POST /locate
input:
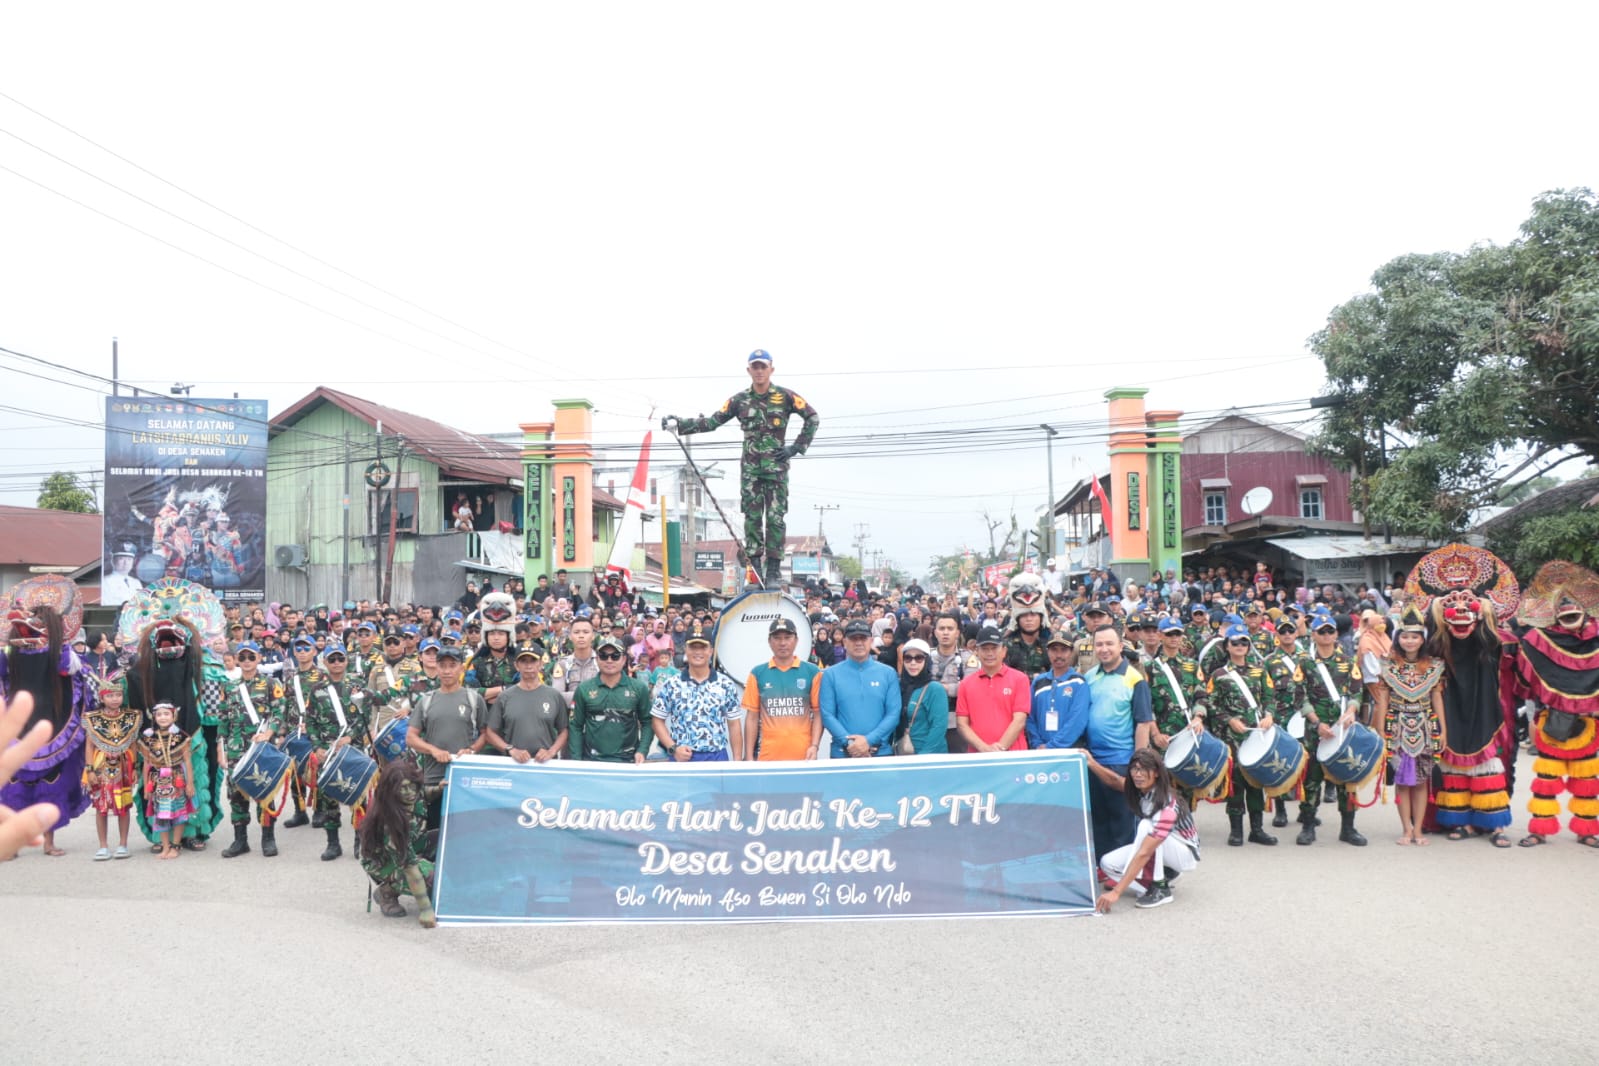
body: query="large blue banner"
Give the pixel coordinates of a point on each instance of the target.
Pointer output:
(934, 836)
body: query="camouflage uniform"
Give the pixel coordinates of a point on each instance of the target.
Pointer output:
(237, 733)
(485, 671)
(1030, 659)
(1283, 669)
(387, 866)
(1327, 707)
(1195, 638)
(392, 700)
(763, 482)
(1170, 716)
(1225, 701)
(322, 724)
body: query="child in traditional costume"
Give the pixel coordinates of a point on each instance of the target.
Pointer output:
(1410, 712)
(108, 776)
(168, 778)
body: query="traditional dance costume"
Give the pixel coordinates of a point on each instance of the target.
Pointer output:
(1557, 667)
(109, 774)
(167, 803)
(1466, 589)
(1413, 727)
(60, 689)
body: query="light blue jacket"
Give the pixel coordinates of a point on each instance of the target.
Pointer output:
(860, 699)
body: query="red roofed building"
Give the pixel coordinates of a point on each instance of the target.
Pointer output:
(37, 541)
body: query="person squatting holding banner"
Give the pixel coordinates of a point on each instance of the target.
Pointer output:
(1165, 843)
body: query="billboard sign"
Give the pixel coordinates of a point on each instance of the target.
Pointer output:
(185, 496)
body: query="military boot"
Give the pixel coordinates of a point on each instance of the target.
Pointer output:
(1307, 830)
(241, 841)
(332, 851)
(299, 818)
(389, 902)
(1235, 837)
(1257, 835)
(319, 819)
(1349, 834)
(269, 842)
(1280, 819)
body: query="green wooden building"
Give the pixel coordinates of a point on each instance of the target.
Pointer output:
(347, 478)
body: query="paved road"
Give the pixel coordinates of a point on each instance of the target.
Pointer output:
(1273, 955)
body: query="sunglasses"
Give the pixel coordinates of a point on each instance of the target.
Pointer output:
(333, 658)
(1239, 643)
(246, 656)
(393, 640)
(609, 655)
(915, 658)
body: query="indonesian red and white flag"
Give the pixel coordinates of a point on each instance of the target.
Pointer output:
(621, 561)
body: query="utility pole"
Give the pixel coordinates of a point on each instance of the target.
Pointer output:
(115, 391)
(821, 537)
(861, 530)
(344, 580)
(1050, 432)
(691, 487)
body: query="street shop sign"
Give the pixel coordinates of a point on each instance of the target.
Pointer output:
(928, 836)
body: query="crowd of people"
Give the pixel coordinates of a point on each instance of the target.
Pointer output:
(1091, 664)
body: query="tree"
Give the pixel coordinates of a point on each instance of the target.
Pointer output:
(61, 492)
(849, 567)
(1483, 364)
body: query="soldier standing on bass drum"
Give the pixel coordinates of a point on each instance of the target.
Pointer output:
(763, 410)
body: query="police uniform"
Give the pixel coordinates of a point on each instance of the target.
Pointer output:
(569, 672)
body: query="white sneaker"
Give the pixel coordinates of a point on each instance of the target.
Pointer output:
(102, 855)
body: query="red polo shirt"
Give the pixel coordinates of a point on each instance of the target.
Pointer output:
(992, 702)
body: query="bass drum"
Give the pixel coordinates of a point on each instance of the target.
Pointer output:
(740, 637)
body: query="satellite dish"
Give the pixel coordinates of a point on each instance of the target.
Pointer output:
(1256, 500)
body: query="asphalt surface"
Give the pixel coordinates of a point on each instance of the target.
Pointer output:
(1268, 955)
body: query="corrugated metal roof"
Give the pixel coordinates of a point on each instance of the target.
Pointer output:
(457, 453)
(1351, 547)
(32, 536)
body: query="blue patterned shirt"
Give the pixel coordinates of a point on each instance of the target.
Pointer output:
(697, 712)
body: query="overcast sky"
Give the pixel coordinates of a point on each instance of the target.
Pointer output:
(935, 217)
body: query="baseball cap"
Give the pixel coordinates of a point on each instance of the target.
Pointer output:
(1236, 631)
(1170, 625)
(857, 627)
(916, 645)
(527, 651)
(452, 651)
(609, 642)
(410, 630)
(248, 645)
(303, 641)
(699, 636)
(1198, 608)
(335, 651)
(430, 642)
(366, 627)
(1287, 625)
(1058, 637)
(990, 635)
(759, 356)
(1097, 607)
(781, 625)
(1252, 607)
